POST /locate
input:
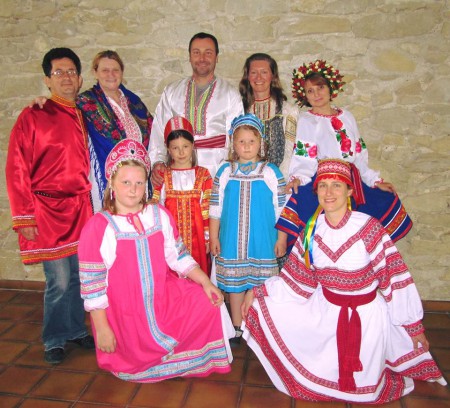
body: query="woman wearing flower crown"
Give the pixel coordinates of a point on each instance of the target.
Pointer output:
(342, 321)
(262, 94)
(149, 324)
(247, 198)
(326, 131)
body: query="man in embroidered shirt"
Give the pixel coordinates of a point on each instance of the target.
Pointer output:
(47, 171)
(208, 102)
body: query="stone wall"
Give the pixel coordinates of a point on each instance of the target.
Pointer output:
(394, 55)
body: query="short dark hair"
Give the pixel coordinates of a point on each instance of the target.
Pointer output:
(59, 53)
(202, 36)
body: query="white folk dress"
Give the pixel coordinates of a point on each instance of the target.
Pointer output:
(292, 327)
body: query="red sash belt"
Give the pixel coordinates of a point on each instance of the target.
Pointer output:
(358, 192)
(348, 334)
(211, 142)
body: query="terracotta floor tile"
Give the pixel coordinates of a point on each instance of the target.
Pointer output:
(241, 350)
(430, 389)
(34, 356)
(26, 381)
(436, 321)
(253, 397)
(436, 306)
(165, 394)
(438, 338)
(20, 380)
(10, 350)
(36, 316)
(256, 375)
(62, 385)
(236, 374)
(443, 357)
(5, 326)
(23, 332)
(79, 359)
(7, 401)
(208, 394)
(333, 404)
(42, 403)
(410, 402)
(95, 405)
(393, 404)
(108, 389)
(16, 312)
(8, 295)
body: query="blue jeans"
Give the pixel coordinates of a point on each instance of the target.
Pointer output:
(63, 306)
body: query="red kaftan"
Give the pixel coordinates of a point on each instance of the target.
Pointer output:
(47, 172)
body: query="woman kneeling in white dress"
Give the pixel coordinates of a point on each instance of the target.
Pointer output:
(342, 321)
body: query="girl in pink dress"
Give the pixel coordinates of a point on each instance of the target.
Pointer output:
(149, 324)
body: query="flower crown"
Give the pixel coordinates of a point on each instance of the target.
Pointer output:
(332, 75)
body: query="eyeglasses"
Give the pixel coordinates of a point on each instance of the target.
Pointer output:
(59, 73)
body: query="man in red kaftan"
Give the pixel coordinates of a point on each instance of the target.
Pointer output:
(47, 172)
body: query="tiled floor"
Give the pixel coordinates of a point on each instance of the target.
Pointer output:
(27, 381)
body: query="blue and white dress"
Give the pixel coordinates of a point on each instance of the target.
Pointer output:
(248, 199)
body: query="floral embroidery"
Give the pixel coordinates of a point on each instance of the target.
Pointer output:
(97, 110)
(305, 149)
(341, 137)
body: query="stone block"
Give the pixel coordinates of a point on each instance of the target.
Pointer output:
(397, 119)
(309, 25)
(385, 97)
(9, 8)
(383, 26)
(438, 91)
(394, 60)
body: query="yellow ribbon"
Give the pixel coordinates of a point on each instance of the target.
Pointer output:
(309, 236)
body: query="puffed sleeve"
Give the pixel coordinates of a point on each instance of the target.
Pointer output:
(395, 282)
(277, 184)
(235, 109)
(290, 114)
(93, 268)
(157, 149)
(18, 170)
(303, 163)
(218, 189)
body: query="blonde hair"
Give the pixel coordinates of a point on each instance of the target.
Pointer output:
(107, 54)
(109, 201)
(232, 155)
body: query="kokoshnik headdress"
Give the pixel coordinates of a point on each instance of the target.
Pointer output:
(127, 149)
(177, 123)
(249, 120)
(301, 74)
